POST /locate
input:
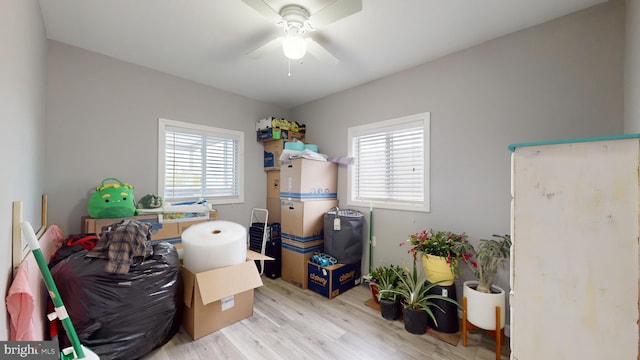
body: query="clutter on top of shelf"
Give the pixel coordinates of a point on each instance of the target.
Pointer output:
(279, 123)
(272, 128)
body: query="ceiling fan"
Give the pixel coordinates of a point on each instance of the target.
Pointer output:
(296, 21)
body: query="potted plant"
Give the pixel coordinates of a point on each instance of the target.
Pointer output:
(373, 278)
(483, 296)
(388, 278)
(440, 253)
(417, 301)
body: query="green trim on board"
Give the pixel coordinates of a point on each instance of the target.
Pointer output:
(513, 147)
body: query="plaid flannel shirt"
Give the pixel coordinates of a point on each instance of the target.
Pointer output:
(126, 243)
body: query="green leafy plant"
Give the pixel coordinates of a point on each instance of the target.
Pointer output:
(374, 275)
(490, 255)
(414, 291)
(453, 247)
(381, 271)
(387, 277)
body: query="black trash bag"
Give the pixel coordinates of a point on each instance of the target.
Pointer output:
(73, 244)
(121, 316)
(343, 235)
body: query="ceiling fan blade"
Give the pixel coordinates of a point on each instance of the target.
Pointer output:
(320, 53)
(266, 48)
(333, 12)
(264, 9)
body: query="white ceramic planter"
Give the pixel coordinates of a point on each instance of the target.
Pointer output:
(481, 307)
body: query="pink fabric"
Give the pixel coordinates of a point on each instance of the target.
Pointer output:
(51, 241)
(26, 300)
(21, 302)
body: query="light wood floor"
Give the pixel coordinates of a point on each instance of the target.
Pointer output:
(290, 323)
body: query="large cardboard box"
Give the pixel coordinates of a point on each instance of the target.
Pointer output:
(272, 152)
(273, 206)
(295, 256)
(273, 196)
(166, 231)
(304, 220)
(305, 179)
(220, 297)
(273, 184)
(331, 281)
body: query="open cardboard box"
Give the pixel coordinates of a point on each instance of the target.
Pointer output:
(220, 297)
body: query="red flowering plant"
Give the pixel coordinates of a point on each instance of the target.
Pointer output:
(453, 247)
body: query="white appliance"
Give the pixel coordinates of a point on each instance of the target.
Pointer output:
(574, 259)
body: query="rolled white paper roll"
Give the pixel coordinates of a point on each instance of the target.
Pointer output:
(214, 244)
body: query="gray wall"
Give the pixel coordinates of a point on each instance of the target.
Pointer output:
(102, 121)
(22, 115)
(632, 68)
(561, 79)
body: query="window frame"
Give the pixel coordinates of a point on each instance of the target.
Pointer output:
(383, 126)
(203, 130)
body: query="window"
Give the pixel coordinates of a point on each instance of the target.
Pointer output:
(196, 162)
(390, 168)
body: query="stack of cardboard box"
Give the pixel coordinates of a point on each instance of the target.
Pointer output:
(273, 133)
(273, 140)
(299, 193)
(308, 189)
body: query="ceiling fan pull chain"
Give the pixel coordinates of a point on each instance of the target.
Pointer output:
(289, 73)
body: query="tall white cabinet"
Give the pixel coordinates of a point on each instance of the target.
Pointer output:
(575, 259)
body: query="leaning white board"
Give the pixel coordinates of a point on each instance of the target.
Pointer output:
(575, 272)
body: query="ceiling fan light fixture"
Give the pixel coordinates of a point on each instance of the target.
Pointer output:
(294, 44)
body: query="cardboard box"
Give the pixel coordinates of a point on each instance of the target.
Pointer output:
(331, 281)
(295, 256)
(220, 297)
(305, 179)
(273, 184)
(272, 152)
(273, 206)
(272, 134)
(169, 232)
(304, 220)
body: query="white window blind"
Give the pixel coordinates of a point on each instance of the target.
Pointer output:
(390, 167)
(199, 162)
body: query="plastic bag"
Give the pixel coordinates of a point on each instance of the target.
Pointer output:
(122, 316)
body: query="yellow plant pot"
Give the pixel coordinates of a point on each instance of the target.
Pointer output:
(437, 269)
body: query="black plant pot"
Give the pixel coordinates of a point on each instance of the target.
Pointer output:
(446, 321)
(389, 309)
(415, 321)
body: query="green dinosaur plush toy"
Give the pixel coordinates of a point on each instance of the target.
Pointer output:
(150, 201)
(113, 200)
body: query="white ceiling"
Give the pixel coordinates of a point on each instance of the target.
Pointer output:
(207, 40)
